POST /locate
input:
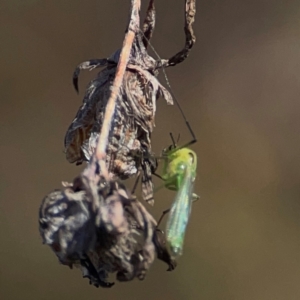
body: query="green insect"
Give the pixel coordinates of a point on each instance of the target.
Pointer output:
(179, 173)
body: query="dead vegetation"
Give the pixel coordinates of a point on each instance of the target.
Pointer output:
(96, 223)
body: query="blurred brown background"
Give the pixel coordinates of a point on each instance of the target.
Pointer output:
(240, 91)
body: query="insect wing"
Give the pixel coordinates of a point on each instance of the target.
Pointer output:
(179, 214)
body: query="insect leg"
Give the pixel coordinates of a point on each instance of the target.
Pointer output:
(136, 182)
(162, 216)
(157, 175)
(87, 65)
(166, 183)
(195, 198)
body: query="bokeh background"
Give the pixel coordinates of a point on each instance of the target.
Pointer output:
(240, 90)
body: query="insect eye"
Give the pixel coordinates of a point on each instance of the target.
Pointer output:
(192, 157)
(170, 148)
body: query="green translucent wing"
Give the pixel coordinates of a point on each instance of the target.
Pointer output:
(180, 213)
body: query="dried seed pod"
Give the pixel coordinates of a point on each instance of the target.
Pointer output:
(98, 226)
(66, 224)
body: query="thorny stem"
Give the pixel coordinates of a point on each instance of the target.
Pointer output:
(111, 104)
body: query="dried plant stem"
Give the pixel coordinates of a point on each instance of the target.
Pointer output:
(122, 64)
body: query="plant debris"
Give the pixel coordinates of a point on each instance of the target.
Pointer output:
(95, 223)
(101, 228)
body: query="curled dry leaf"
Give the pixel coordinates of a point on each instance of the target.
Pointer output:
(129, 145)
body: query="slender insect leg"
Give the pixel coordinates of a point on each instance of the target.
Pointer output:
(166, 182)
(157, 175)
(136, 182)
(195, 198)
(162, 216)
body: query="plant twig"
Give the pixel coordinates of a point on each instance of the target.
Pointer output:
(122, 64)
(190, 38)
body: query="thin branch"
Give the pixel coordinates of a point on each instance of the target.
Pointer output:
(190, 38)
(110, 108)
